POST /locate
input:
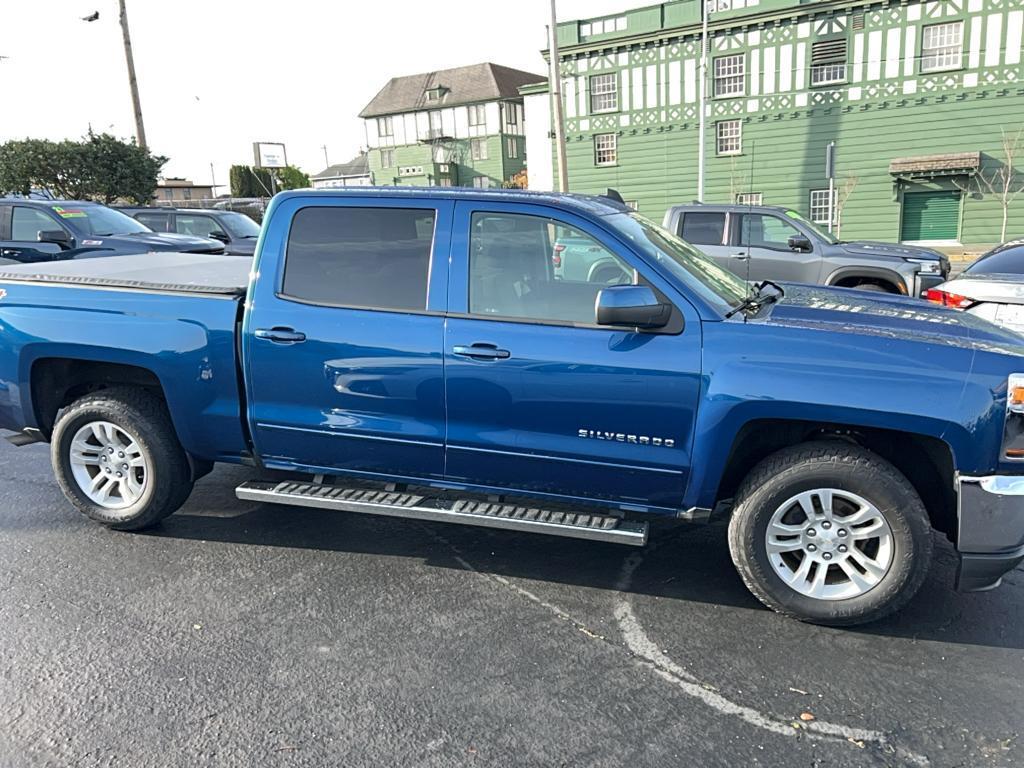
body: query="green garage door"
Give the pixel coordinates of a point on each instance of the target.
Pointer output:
(931, 216)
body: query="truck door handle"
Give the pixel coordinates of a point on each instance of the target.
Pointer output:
(741, 256)
(280, 335)
(481, 351)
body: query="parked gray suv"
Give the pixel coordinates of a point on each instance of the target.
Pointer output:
(763, 242)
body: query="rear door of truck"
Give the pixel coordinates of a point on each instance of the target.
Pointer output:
(342, 340)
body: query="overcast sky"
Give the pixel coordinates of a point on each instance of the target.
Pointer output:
(216, 75)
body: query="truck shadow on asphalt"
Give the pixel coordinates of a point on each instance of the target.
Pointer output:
(688, 564)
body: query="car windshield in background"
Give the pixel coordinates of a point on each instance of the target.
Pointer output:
(1005, 260)
(97, 220)
(824, 234)
(693, 268)
(239, 225)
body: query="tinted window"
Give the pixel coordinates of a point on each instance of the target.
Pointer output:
(760, 231)
(27, 223)
(155, 221)
(1005, 261)
(537, 268)
(365, 257)
(198, 226)
(703, 228)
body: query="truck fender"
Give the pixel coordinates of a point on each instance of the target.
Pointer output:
(880, 273)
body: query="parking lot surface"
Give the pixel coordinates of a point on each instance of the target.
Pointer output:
(241, 634)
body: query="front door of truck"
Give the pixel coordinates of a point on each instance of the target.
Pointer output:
(342, 345)
(540, 398)
(765, 238)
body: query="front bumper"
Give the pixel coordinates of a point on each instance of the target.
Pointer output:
(990, 538)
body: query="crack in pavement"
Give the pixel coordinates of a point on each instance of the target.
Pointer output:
(646, 653)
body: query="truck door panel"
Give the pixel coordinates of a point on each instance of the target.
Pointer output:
(344, 367)
(539, 398)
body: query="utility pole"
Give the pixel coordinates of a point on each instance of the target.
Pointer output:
(327, 163)
(702, 100)
(555, 86)
(140, 130)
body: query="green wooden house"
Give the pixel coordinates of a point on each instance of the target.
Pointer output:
(454, 127)
(917, 96)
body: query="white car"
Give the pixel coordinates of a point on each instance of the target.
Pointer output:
(992, 287)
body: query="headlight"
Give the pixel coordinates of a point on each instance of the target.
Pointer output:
(927, 266)
(1013, 432)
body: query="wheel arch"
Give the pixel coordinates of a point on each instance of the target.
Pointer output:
(847, 277)
(933, 478)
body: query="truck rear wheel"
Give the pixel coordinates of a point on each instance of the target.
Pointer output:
(117, 458)
(830, 533)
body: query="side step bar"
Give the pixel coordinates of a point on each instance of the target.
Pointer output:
(575, 524)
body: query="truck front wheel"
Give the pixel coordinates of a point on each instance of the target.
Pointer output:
(118, 460)
(829, 532)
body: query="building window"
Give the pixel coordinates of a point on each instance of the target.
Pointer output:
(444, 181)
(728, 137)
(513, 147)
(730, 75)
(606, 149)
(749, 198)
(478, 149)
(387, 158)
(482, 182)
(433, 95)
(633, 205)
(603, 26)
(385, 128)
(604, 93)
(477, 114)
(941, 46)
(828, 62)
(819, 206)
(511, 117)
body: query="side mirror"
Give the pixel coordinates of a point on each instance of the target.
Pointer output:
(632, 306)
(800, 243)
(220, 236)
(55, 236)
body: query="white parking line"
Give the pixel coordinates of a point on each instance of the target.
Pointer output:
(646, 653)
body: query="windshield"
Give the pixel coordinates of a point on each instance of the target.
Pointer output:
(824, 234)
(714, 284)
(97, 220)
(239, 225)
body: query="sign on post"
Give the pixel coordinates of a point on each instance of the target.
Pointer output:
(269, 154)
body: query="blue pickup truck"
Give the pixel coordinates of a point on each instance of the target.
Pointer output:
(412, 353)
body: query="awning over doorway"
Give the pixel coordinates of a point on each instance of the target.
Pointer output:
(932, 166)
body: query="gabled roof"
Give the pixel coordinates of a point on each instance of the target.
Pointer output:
(462, 85)
(357, 166)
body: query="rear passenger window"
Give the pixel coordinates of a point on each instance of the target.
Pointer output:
(360, 257)
(703, 228)
(155, 221)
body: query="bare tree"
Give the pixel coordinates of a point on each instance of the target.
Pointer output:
(842, 196)
(1005, 182)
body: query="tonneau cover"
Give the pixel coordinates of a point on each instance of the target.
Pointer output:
(172, 272)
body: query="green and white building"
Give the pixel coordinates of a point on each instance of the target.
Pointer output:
(917, 97)
(454, 127)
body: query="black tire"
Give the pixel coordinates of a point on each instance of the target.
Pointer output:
(875, 287)
(846, 467)
(144, 416)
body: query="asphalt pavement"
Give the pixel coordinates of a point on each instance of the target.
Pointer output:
(238, 634)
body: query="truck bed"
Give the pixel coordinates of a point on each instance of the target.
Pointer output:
(168, 317)
(161, 272)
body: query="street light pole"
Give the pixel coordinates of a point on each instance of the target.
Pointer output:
(140, 130)
(555, 86)
(702, 99)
